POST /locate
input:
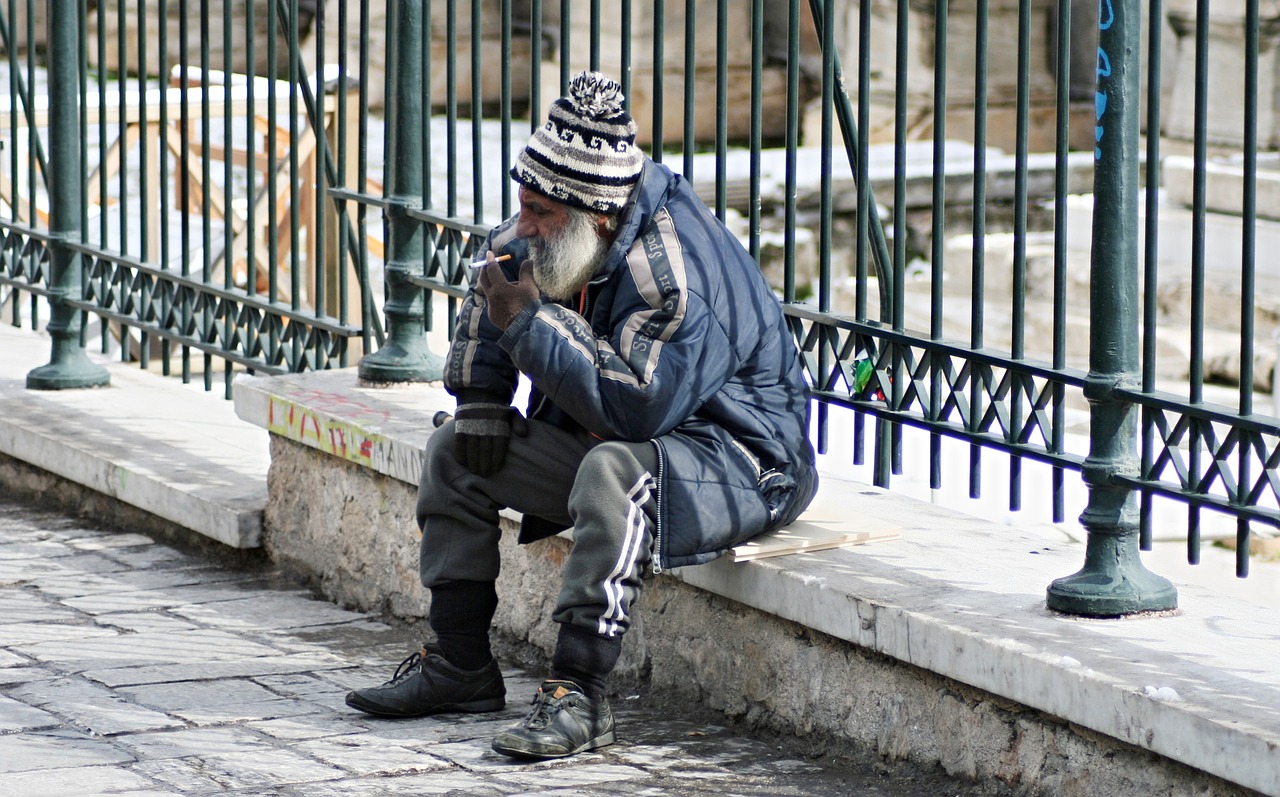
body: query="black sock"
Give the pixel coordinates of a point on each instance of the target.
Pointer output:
(586, 658)
(461, 612)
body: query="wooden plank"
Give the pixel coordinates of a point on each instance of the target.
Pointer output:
(814, 535)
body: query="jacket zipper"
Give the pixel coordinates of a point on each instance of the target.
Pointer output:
(657, 534)
(752, 458)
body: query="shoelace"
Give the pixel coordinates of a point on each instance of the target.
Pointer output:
(407, 666)
(544, 710)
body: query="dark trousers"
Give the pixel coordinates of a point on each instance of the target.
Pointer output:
(604, 490)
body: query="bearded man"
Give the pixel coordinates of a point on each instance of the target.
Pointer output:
(667, 419)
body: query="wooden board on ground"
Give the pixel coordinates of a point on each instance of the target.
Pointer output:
(814, 535)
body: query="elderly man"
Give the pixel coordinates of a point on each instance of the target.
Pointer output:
(667, 419)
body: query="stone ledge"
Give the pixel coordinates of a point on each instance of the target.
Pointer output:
(958, 596)
(184, 458)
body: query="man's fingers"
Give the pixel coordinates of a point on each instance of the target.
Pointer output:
(519, 426)
(485, 280)
(526, 271)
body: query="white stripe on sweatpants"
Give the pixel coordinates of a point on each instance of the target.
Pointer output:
(637, 497)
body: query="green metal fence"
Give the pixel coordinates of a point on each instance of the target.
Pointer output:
(986, 221)
(165, 177)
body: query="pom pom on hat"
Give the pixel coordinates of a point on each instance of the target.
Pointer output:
(585, 155)
(595, 96)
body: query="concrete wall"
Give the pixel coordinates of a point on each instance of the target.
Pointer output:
(351, 531)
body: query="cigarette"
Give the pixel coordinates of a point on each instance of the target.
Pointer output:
(483, 263)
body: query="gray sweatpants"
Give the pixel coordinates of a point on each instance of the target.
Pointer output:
(604, 490)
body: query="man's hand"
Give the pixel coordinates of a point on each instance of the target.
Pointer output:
(481, 431)
(506, 299)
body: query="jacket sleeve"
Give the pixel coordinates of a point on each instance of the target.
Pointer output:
(477, 369)
(664, 355)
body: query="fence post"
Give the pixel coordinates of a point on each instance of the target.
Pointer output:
(405, 356)
(1114, 580)
(69, 367)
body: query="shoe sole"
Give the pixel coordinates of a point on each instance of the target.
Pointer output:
(473, 707)
(603, 740)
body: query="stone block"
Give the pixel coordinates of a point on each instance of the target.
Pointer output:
(1226, 73)
(362, 755)
(37, 752)
(253, 770)
(114, 19)
(235, 668)
(77, 780)
(99, 711)
(1224, 187)
(28, 14)
(18, 716)
(672, 76)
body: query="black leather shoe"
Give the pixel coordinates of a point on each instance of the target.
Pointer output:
(564, 721)
(425, 683)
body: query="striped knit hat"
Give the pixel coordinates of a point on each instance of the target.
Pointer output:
(585, 155)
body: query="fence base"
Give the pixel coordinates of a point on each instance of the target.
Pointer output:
(1113, 582)
(393, 363)
(69, 369)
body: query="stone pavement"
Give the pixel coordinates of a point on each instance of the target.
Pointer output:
(129, 667)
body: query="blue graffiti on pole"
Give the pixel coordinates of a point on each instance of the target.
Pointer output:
(1106, 18)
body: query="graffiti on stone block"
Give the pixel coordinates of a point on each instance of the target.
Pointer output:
(340, 405)
(319, 430)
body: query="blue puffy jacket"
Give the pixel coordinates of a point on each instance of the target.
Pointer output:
(679, 341)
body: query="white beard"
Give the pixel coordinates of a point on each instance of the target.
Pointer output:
(562, 264)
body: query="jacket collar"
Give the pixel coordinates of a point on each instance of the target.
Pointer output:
(647, 198)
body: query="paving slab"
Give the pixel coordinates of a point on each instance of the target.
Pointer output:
(275, 612)
(451, 782)
(362, 755)
(259, 665)
(90, 707)
(18, 716)
(26, 607)
(143, 622)
(194, 742)
(243, 769)
(188, 649)
(85, 582)
(23, 673)
(51, 632)
(185, 594)
(56, 749)
(86, 781)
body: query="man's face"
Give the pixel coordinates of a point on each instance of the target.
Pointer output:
(565, 244)
(540, 216)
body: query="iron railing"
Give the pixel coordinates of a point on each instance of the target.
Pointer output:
(195, 224)
(956, 222)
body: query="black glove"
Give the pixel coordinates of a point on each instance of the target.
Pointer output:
(481, 431)
(507, 299)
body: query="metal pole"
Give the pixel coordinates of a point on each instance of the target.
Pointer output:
(69, 367)
(405, 356)
(1114, 581)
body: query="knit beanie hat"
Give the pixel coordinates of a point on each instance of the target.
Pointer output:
(585, 155)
